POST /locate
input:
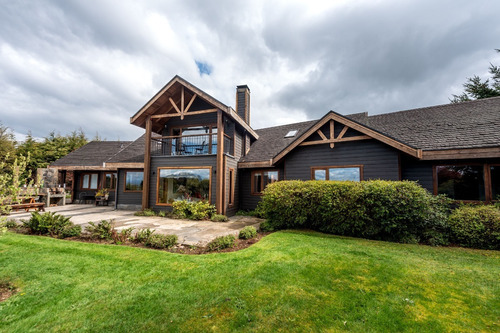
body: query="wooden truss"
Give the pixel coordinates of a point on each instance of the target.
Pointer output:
(182, 110)
(332, 140)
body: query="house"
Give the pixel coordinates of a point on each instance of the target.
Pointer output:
(197, 148)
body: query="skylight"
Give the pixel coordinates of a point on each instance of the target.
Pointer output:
(291, 134)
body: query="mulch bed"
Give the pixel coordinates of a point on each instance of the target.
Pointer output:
(240, 244)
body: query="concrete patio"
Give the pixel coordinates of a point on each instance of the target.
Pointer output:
(189, 232)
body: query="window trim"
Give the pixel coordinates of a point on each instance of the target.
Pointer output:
(231, 187)
(193, 167)
(327, 174)
(125, 182)
(90, 181)
(104, 180)
(252, 182)
(486, 179)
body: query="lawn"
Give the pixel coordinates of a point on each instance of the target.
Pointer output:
(289, 281)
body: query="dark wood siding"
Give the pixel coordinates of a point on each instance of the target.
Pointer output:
(127, 200)
(247, 201)
(180, 161)
(379, 160)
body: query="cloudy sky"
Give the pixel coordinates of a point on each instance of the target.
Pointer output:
(67, 64)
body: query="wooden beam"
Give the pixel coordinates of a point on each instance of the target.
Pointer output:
(322, 135)
(182, 102)
(132, 165)
(341, 135)
(190, 103)
(220, 163)
(192, 113)
(466, 153)
(350, 138)
(147, 164)
(332, 133)
(262, 164)
(175, 106)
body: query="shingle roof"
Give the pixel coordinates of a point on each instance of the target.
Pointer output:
(132, 153)
(94, 153)
(471, 124)
(272, 140)
(464, 125)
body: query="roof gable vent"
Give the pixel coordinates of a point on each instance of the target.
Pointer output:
(291, 134)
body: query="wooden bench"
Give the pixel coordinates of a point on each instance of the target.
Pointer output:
(39, 206)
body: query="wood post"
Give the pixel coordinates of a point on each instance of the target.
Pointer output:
(147, 164)
(219, 197)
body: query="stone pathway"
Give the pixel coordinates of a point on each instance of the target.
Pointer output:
(189, 232)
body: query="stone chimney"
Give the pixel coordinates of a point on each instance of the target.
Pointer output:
(243, 102)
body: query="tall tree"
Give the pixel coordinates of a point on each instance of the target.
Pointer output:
(7, 145)
(475, 88)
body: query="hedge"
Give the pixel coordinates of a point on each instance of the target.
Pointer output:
(399, 211)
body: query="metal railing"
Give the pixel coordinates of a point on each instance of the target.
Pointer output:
(197, 144)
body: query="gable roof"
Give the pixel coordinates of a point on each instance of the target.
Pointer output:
(93, 155)
(161, 97)
(461, 130)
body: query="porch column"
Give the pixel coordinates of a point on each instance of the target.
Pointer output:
(219, 197)
(147, 164)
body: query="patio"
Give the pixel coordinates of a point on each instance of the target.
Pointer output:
(189, 232)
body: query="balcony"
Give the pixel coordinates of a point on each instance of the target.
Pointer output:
(189, 145)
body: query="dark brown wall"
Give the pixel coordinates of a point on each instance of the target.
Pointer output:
(127, 200)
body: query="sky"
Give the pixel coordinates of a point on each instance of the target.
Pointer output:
(90, 65)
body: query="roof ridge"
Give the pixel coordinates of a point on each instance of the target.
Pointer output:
(290, 124)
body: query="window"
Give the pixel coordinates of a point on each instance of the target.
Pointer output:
(260, 179)
(134, 181)
(191, 184)
(89, 181)
(231, 187)
(495, 182)
(352, 173)
(291, 134)
(110, 180)
(460, 182)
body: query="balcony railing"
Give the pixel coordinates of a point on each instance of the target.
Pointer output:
(186, 145)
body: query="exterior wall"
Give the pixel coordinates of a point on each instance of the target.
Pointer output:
(379, 160)
(248, 201)
(127, 200)
(180, 161)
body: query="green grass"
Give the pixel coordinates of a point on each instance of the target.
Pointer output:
(289, 281)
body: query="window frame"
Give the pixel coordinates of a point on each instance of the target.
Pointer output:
(115, 175)
(82, 175)
(489, 189)
(252, 182)
(486, 179)
(125, 182)
(193, 167)
(327, 173)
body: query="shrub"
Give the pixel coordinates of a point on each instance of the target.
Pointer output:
(120, 237)
(101, 230)
(476, 226)
(143, 235)
(195, 210)
(247, 232)
(386, 210)
(145, 212)
(3, 230)
(10, 224)
(51, 223)
(159, 241)
(219, 218)
(71, 231)
(221, 242)
(266, 226)
(162, 213)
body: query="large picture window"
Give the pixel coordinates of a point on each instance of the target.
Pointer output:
(134, 181)
(89, 181)
(352, 173)
(460, 182)
(260, 179)
(192, 184)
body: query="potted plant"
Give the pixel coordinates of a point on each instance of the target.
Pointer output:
(102, 193)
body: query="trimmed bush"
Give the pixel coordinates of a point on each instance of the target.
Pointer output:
(399, 211)
(51, 224)
(194, 210)
(247, 232)
(159, 241)
(476, 226)
(221, 242)
(219, 218)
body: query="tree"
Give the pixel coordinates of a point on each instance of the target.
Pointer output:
(475, 88)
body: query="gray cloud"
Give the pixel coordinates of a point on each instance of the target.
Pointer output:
(91, 65)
